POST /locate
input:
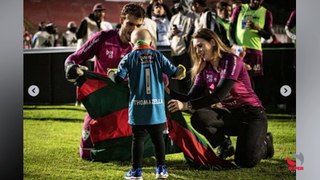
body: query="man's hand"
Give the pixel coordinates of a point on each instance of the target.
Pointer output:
(111, 75)
(175, 30)
(73, 71)
(247, 66)
(252, 25)
(239, 50)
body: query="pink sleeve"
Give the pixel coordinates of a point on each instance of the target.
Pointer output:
(232, 68)
(87, 51)
(235, 14)
(269, 20)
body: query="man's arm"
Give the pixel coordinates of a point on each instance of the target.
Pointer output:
(291, 23)
(266, 32)
(233, 25)
(87, 51)
(82, 31)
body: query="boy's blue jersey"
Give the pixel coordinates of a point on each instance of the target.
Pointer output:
(145, 67)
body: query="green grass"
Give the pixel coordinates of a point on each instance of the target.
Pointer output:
(51, 151)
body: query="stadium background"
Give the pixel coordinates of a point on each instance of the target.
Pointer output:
(44, 67)
(60, 12)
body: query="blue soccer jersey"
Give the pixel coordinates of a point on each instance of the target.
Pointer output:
(145, 66)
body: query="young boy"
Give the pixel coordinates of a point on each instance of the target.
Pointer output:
(144, 67)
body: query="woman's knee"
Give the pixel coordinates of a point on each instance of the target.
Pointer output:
(206, 117)
(196, 124)
(247, 161)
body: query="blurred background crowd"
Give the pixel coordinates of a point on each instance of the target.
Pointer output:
(56, 23)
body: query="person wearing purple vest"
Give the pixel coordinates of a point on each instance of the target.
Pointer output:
(249, 23)
(224, 103)
(108, 48)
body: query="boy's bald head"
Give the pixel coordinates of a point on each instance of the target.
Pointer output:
(141, 34)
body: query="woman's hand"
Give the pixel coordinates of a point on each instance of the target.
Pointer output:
(176, 105)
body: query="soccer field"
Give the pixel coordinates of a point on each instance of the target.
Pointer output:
(51, 137)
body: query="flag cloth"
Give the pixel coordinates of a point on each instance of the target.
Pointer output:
(107, 134)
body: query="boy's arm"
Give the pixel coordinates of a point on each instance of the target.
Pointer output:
(180, 73)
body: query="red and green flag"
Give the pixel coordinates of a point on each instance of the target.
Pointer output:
(110, 134)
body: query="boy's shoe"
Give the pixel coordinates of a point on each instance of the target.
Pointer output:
(226, 149)
(134, 174)
(161, 172)
(270, 148)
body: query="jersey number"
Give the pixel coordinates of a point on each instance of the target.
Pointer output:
(148, 81)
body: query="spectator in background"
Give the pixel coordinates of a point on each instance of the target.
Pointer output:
(69, 38)
(235, 3)
(272, 40)
(165, 7)
(207, 19)
(108, 47)
(249, 22)
(57, 39)
(179, 34)
(174, 9)
(151, 25)
(41, 27)
(90, 24)
(224, 10)
(105, 25)
(27, 40)
(45, 38)
(290, 27)
(160, 17)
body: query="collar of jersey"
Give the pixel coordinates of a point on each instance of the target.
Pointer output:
(142, 45)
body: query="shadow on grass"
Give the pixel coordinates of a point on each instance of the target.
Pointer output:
(73, 108)
(181, 164)
(53, 119)
(179, 169)
(281, 120)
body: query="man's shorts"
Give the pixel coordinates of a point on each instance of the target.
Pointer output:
(254, 59)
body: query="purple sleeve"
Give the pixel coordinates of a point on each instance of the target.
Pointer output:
(231, 67)
(292, 20)
(233, 25)
(235, 14)
(269, 20)
(266, 32)
(87, 51)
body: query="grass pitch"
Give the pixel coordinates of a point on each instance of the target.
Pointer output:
(51, 151)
